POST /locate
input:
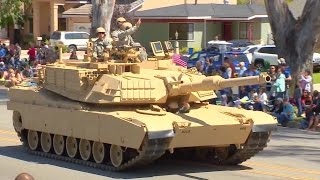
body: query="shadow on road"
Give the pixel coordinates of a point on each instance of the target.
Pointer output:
(294, 143)
(162, 167)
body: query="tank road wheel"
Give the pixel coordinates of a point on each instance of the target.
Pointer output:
(85, 149)
(46, 142)
(17, 121)
(98, 152)
(72, 147)
(58, 144)
(33, 140)
(116, 155)
(221, 154)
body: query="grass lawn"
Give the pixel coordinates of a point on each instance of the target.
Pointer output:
(316, 78)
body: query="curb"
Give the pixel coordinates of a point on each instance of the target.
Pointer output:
(296, 125)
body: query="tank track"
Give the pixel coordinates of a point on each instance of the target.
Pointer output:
(256, 142)
(151, 150)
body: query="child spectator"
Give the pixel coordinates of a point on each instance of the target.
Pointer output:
(306, 80)
(263, 97)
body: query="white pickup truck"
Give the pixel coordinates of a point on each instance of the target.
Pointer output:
(269, 53)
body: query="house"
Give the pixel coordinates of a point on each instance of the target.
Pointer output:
(47, 16)
(78, 16)
(198, 23)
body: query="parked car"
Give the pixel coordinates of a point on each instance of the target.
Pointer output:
(201, 56)
(249, 50)
(269, 54)
(235, 57)
(72, 39)
(316, 62)
(239, 43)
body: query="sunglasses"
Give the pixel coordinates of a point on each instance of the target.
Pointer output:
(101, 33)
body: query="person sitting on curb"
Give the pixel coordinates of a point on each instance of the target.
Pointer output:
(287, 114)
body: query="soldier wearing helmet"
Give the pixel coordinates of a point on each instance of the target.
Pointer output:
(101, 45)
(120, 20)
(121, 36)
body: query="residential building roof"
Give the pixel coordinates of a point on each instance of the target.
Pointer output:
(85, 10)
(204, 11)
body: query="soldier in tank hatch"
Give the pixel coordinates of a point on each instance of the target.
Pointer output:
(101, 45)
(120, 36)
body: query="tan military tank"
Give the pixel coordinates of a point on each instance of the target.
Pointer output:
(117, 116)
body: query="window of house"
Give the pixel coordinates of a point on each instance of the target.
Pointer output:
(185, 31)
(30, 25)
(243, 30)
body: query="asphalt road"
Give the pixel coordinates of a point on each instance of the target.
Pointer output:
(291, 154)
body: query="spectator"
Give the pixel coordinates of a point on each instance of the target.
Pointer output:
(252, 71)
(32, 55)
(287, 73)
(297, 97)
(280, 84)
(306, 100)
(74, 54)
(263, 97)
(17, 54)
(27, 72)
(242, 69)
(277, 108)
(199, 66)
(312, 113)
(231, 65)
(306, 80)
(208, 71)
(243, 92)
(287, 114)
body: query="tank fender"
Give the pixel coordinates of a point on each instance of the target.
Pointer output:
(264, 127)
(160, 134)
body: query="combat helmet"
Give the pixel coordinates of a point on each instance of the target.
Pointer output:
(121, 19)
(126, 25)
(101, 30)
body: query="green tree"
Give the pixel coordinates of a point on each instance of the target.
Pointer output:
(12, 12)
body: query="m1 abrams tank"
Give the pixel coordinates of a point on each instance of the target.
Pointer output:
(117, 116)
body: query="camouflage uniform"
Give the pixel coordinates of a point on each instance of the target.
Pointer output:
(99, 46)
(123, 37)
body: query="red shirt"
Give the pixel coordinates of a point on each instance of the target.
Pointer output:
(32, 53)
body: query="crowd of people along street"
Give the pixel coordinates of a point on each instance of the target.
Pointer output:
(272, 97)
(14, 69)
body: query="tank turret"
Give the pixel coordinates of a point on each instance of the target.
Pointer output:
(130, 83)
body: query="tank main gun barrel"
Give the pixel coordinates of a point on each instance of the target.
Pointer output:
(217, 83)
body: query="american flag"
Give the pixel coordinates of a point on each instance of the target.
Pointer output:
(178, 61)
